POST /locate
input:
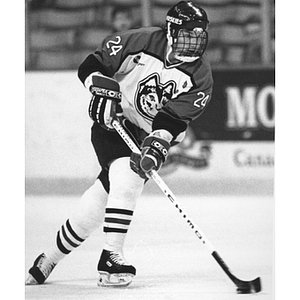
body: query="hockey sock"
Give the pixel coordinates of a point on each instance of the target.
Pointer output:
(116, 225)
(87, 216)
(66, 241)
(125, 188)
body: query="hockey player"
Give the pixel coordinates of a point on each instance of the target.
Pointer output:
(155, 81)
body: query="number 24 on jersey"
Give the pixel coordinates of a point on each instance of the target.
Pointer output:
(202, 101)
(114, 45)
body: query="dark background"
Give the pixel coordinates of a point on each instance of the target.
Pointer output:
(211, 125)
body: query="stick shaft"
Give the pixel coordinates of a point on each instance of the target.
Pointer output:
(165, 189)
(168, 193)
(255, 284)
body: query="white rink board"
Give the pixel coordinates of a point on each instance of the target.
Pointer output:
(241, 160)
(57, 126)
(58, 136)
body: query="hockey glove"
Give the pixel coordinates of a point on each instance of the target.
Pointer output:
(135, 160)
(105, 103)
(154, 154)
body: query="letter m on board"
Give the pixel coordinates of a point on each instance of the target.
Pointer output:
(241, 107)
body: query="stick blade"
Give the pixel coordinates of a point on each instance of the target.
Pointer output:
(248, 287)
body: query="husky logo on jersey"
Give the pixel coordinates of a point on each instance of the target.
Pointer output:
(152, 95)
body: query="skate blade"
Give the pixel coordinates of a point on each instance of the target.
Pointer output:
(114, 280)
(30, 280)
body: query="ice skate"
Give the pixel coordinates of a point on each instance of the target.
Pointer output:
(40, 270)
(114, 270)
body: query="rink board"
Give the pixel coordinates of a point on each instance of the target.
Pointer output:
(58, 135)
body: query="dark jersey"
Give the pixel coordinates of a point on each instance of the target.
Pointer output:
(155, 93)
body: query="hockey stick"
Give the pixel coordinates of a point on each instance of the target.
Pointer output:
(243, 287)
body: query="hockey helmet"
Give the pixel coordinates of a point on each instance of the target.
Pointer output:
(186, 25)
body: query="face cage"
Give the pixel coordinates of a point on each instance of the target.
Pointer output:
(189, 45)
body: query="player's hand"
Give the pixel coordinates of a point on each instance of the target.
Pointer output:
(135, 160)
(105, 103)
(154, 154)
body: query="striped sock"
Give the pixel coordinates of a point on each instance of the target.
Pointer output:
(66, 241)
(117, 220)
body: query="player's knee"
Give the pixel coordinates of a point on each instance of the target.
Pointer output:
(124, 183)
(89, 212)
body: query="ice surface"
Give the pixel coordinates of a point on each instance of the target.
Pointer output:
(171, 262)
